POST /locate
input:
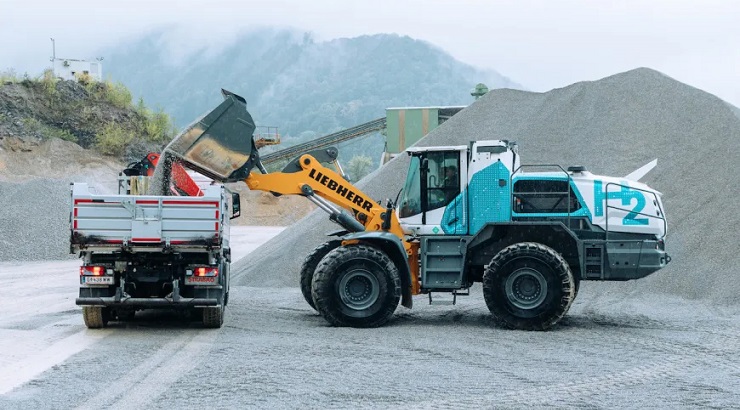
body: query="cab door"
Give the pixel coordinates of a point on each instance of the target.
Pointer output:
(433, 197)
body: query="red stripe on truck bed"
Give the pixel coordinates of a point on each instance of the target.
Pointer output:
(147, 201)
(146, 239)
(177, 202)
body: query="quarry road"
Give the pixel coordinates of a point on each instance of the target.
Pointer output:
(275, 352)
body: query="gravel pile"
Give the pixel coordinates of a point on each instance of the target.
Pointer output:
(35, 220)
(612, 126)
(34, 215)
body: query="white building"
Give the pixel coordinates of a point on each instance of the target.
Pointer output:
(66, 68)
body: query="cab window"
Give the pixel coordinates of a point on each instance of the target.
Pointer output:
(411, 200)
(443, 181)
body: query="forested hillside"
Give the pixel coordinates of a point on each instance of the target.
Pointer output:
(295, 82)
(305, 87)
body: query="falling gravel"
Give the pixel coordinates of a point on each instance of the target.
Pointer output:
(612, 126)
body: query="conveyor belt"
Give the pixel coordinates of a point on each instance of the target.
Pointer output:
(325, 141)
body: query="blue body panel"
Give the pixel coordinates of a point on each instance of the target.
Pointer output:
(487, 199)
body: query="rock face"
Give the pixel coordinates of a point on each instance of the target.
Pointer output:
(32, 111)
(612, 126)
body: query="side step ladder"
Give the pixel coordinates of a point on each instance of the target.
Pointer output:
(455, 294)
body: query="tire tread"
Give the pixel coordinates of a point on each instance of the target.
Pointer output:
(322, 288)
(309, 267)
(550, 257)
(213, 317)
(94, 317)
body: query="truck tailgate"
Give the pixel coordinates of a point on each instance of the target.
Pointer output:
(140, 220)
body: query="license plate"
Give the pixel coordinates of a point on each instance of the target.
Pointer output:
(201, 280)
(96, 280)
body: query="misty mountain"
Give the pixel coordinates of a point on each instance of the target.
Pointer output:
(291, 81)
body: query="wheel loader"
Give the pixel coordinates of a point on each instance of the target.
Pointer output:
(470, 213)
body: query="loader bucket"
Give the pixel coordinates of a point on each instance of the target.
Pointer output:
(219, 145)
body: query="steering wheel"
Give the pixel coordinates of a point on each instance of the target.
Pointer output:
(437, 198)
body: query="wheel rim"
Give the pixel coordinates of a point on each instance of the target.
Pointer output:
(359, 289)
(526, 288)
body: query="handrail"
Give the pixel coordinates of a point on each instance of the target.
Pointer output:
(656, 201)
(514, 193)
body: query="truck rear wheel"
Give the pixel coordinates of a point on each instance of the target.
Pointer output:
(213, 317)
(528, 286)
(95, 317)
(357, 286)
(309, 267)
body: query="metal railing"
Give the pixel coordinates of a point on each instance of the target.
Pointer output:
(629, 211)
(518, 194)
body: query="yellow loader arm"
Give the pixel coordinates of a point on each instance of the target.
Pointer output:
(312, 179)
(306, 176)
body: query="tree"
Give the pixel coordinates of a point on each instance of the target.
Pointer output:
(359, 166)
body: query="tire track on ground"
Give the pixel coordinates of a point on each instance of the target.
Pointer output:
(156, 374)
(37, 362)
(676, 358)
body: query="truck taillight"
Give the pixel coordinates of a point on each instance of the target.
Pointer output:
(205, 271)
(92, 270)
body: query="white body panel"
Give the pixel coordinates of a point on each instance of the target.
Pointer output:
(114, 220)
(621, 205)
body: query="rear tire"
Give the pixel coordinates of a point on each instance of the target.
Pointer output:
(213, 317)
(309, 267)
(357, 286)
(95, 317)
(528, 286)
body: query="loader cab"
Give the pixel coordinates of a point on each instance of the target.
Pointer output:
(434, 202)
(435, 178)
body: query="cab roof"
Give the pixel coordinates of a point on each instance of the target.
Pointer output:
(438, 148)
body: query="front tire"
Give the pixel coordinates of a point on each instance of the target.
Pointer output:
(95, 317)
(309, 267)
(357, 286)
(528, 286)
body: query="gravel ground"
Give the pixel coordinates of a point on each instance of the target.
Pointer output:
(612, 350)
(612, 126)
(274, 352)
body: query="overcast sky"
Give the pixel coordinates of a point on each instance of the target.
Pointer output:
(539, 43)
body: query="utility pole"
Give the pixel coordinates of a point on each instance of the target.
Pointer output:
(53, 50)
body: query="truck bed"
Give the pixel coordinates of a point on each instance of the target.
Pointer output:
(114, 221)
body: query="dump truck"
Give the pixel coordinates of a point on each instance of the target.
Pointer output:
(162, 242)
(467, 214)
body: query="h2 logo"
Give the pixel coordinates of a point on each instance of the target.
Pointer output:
(626, 195)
